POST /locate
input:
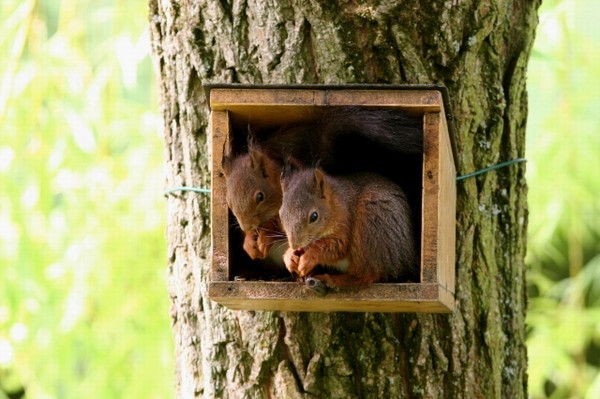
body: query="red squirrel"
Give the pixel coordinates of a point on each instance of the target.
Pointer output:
(254, 197)
(340, 140)
(361, 222)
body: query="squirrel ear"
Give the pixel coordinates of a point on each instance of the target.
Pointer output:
(290, 166)
(320, 183)
(255, 157)
(294, 163)
(261, 162)
(227, 160)
(226, 164)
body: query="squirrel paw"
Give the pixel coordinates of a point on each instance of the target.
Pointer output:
(251, 246)
(263, 245)
(291, 259)
(306, 264)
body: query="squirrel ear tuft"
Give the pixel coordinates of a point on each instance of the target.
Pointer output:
(227, 164)
(253, 150)
(250, 135)
(320, 183)
(227, 160)
(290, 166)
(294, 163)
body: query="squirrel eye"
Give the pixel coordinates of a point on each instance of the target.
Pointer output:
(313, 217)
(260, 197)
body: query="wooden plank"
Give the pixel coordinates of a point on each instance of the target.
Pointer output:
(422, 100)
(431, 187)
(447, 211)
(230, 99)
(296, 297)
(446, 298)
(219, 210)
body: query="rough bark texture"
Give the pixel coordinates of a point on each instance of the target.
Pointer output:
(479, 50)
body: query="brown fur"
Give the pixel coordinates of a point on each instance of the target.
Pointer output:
(363, 221)
(246, 176)
(340, 140)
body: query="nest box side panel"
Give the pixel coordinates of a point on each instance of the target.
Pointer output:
(219, 211)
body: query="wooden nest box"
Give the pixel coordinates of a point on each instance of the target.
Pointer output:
(233, 107)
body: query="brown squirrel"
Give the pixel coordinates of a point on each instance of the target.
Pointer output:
(361, 222)
(254, 197)
(340, 140)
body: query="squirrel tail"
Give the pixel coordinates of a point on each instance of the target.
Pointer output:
(391, 129)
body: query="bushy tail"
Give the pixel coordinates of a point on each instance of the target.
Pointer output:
(390, 129)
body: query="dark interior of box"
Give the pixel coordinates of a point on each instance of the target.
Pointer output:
(406, 171)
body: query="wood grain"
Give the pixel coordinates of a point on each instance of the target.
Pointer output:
(220, 127)
(285, 296)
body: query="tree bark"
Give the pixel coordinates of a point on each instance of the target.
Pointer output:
(479, 50)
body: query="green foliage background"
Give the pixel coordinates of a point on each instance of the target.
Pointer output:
(563, 146)
(83, 299)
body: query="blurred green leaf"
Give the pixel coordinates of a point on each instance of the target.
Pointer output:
(82, 282)
(563, 146)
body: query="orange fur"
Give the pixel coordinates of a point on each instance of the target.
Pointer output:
(362, 221)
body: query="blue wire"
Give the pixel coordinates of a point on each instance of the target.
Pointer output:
(485, 170)
(463, 177)
(194, 189)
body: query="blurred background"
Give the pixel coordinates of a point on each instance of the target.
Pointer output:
(84, 309)
(563, 172)
(83, 298)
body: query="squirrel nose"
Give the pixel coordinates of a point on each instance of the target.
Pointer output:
(293, 242)
(247, 223)
(245, 226)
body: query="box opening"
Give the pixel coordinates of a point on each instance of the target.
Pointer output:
(406, 171)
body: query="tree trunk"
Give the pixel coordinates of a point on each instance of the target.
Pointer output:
(479, 50)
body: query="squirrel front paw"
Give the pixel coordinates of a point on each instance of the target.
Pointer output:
(291, 258)
(307, 263)
(263, 244)
(251, 245)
